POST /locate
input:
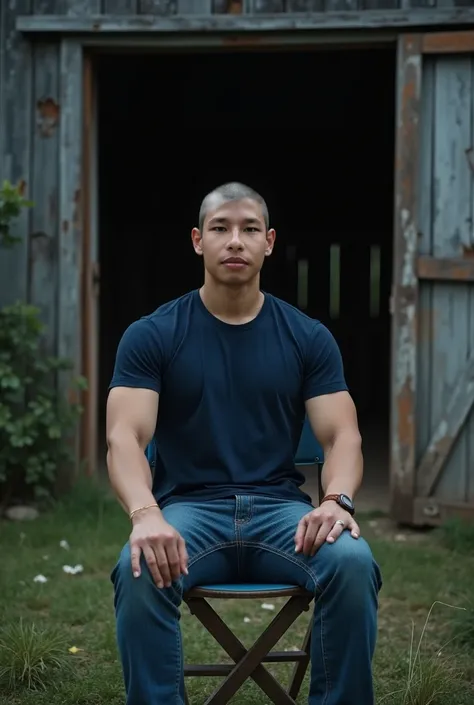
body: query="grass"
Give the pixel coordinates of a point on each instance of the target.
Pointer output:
(57, 638)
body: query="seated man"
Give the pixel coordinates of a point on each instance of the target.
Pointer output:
(223, 377)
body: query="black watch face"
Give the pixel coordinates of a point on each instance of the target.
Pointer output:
(347, 501)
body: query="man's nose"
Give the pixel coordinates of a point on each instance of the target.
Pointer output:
(235, 240)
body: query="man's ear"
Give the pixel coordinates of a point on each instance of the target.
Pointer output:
(196, 238)
(271, 236)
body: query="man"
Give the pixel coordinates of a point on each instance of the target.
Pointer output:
(222, 378)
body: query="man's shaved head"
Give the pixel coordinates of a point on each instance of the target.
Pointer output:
(232, 191)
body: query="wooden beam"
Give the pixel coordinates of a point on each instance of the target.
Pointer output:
(452, 269)
(447, 431)
(70, 220)
(448, 42)
(143, 24)
(405, 291)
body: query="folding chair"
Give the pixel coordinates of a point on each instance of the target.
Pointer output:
(249, 663)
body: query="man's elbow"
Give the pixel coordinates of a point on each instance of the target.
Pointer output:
(349, 438)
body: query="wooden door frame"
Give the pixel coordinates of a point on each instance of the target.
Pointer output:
(411, 482)
(89, 344)
(90, 273)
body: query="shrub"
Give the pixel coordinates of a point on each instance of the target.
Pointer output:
(35, 421)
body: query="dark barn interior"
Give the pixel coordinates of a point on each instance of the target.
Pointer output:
(313, 132)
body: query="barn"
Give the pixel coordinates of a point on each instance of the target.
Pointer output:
(354, 118)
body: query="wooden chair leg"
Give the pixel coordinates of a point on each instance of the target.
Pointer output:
(300, 668)
(249, 663)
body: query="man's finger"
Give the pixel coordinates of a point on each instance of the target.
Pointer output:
(310, 535)
(321, 536)
(135, 554)
(335, 531)
(354, 529)
(183, 555)
(152, 563)
(163, 567)
(174, 562)
(300, 534)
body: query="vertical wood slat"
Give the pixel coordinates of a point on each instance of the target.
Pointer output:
(43, 270)
(70, 226)
(120, 7)
(157, 7)
(425, 247)
(90, 318)
(469, 489)
(194, 7)
(15, 138)
(405, 294)
(451, 234)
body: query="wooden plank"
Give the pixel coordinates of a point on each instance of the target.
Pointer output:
(90, 284)
(452, 182)
(194, 7)
(362, 19)
(70, 225)
(448, 42)
(405, 293)
(15, 139)
(45, 189)
(120, 7)
(447, 430)
(469, 429)
(460, 269)
(425, 246)
(432, 512)
(157, 7)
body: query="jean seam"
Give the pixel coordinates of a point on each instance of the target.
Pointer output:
(323, 652)
(205, 552)
(180, 664)
(284, 554)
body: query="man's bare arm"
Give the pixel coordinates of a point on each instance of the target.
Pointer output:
(131, 421)
(333, 420)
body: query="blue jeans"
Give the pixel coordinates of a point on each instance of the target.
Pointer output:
(251, 539)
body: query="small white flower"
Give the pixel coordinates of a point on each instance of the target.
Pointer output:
(247, 620)
(268, 606)
(73, 570)
(64, 544)
(40, 579)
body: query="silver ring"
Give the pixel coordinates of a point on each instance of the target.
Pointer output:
(342, 523)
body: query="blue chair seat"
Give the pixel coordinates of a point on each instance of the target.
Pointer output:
(245, 591)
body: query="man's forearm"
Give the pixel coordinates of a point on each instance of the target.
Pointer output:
(129, 473)
(343, 466)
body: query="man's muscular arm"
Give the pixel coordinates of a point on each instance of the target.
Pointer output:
(132, 411)
(131, 420)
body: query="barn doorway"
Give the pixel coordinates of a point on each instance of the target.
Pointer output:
(314, 133)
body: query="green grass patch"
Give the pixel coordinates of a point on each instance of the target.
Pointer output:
(57, 641)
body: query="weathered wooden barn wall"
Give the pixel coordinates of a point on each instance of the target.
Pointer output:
(41, 132)
(446, 307)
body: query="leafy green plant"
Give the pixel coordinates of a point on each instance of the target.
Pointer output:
(12, 202)
(35, 421)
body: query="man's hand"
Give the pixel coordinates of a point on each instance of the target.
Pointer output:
(163, 547)
(323, 524)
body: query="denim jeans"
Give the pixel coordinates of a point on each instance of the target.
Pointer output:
(251, 539)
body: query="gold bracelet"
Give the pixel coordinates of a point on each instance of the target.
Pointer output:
(141, 509)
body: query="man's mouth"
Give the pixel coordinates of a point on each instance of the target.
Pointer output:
(235, 262)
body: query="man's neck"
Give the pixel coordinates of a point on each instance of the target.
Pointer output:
(235, 305)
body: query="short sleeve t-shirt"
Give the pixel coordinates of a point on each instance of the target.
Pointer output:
(232, 397)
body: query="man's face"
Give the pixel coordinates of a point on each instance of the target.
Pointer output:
(234, 241)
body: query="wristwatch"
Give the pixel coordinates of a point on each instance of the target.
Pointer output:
(343, 501)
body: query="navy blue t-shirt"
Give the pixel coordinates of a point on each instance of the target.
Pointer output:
(231, 406)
